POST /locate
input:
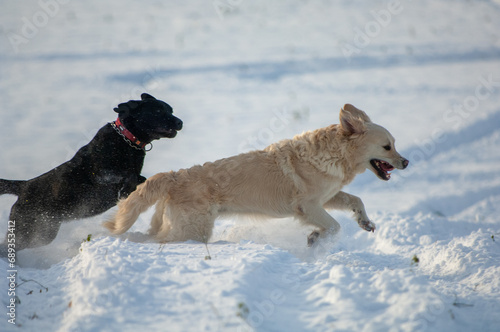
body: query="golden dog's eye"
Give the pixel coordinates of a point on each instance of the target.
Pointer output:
(387, 147)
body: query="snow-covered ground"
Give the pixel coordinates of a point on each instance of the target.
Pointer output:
(242, 74)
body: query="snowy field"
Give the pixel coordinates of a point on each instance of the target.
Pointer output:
(242, 74)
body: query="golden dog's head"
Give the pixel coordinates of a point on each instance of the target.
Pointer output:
(374, 147)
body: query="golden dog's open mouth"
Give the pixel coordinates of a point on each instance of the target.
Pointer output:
(383, 168)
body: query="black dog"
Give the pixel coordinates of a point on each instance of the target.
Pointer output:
(100, 173)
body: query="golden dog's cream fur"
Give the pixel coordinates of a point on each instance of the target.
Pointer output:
(299, 177)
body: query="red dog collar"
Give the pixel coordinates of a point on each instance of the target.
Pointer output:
(120, 128)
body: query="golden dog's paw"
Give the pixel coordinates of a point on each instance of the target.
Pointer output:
(367, 225)
(312, 238)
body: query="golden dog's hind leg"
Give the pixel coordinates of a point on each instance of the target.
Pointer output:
(157, 219)
(183, 224)
(345, 201)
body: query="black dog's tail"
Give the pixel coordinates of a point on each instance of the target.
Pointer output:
(10, 186)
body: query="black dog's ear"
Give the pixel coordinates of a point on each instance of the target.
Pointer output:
(145, 96)
(126, 107)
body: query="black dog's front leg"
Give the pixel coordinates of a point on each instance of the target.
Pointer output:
(129, 186)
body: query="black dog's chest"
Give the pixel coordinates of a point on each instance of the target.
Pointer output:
(107, 161)
(108, 155)
(108, 178)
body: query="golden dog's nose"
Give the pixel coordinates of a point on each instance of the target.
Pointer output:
(405, 163)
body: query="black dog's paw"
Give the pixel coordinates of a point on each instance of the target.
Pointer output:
(367, 225)
(142, 179)
(312, 238)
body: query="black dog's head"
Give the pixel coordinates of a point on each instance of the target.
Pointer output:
(149, 119)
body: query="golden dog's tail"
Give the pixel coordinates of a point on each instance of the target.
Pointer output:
(146, 195)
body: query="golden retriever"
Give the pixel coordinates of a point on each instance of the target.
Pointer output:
(299, 177)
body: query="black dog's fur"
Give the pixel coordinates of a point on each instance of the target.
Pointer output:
(100, 173)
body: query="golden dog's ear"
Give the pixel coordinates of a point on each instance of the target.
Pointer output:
(356, 112)
(352, 120)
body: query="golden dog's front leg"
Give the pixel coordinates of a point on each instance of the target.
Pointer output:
(317, 216)
(345, 201)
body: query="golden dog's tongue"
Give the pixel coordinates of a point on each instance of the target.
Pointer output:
(385, 166)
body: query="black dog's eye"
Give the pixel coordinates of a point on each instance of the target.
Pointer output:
(387, 147)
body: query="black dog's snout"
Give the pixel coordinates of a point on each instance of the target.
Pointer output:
(405, 163)
(178, 124)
